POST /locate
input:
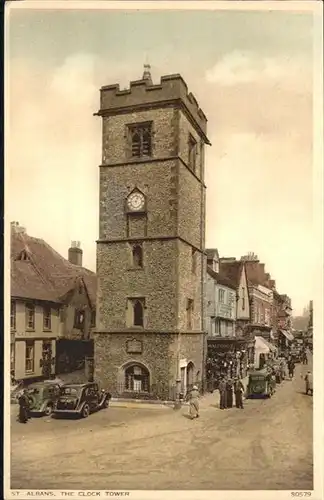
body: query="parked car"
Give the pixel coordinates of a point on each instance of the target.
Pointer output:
(261, 384)
(81, 399)
(42, 397)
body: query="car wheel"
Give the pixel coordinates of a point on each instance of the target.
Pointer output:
(48, 410)
(106, 403)
(85, 411)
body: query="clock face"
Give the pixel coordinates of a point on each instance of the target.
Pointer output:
(136, 201)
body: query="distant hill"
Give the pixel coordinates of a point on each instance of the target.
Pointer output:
(300, 322)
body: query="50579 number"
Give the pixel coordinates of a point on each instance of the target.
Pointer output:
(301, 493)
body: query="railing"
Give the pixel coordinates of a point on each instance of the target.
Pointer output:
(155, 392)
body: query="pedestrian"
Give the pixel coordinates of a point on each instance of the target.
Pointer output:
(229, 393)
(23, 402)
(238, 390)
(291, 368)
(305, 358)
(223, 394)
(309, 382)
(194, 403)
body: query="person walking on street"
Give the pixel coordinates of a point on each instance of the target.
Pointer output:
(309, 382)
(291, 368)
(305, 358)
(23, 402)
(222, 392)
(194, 403)
(229, 393)
(238, 390)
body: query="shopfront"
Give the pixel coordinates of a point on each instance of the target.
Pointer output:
(227, 357)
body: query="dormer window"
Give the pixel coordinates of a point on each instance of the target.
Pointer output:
(215, 265)
(140, 139)
(24, 256)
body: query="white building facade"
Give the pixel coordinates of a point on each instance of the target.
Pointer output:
(221, 306)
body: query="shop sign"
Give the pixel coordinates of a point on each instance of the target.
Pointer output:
(222, 346)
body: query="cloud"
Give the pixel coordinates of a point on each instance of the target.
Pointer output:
(247, 67)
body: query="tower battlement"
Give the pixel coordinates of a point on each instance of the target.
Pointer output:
(143, 92)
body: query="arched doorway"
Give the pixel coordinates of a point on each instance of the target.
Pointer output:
(136, 378)
(190, 375)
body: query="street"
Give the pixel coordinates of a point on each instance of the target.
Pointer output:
(266, 446)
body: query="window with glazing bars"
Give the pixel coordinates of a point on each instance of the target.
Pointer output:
(29, 356)
(13, 315)
(30, 316)
(141, 140)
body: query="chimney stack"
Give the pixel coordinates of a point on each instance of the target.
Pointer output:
(272, 284)
(16, 228)
(262, 276)
(75, 253)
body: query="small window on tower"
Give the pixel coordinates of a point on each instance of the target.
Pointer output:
(190, 308)
(138, 310)
(140, 139)
(193, 260)
(192, 146)
(137, 254)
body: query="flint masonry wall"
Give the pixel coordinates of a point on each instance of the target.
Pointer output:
(156, 281)
(175, 207)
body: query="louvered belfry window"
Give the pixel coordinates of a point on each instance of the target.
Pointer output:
(141, 140)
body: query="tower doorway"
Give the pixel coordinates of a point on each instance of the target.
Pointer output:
(190, 375)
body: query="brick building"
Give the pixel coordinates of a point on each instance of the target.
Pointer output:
(151, 266)
(52, 308)
(261, 297)
(282, 321)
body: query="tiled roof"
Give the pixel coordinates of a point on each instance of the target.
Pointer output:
(221, 278)
(54, 273)
(232, 270)
(27, 283)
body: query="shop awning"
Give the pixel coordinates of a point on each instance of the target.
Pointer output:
(261, 345)
(272, 348)
(288, 335)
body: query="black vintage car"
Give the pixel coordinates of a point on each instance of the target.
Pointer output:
(81, 399)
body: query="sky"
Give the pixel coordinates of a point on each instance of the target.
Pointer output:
(251, 73)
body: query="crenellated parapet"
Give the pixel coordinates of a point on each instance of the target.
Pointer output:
(142, 93)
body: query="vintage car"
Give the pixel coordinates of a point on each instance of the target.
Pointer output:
(42, 397)
(296, 353)
(81, 399)
(261, 384)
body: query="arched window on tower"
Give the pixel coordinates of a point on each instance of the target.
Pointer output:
(140, 135)
(136, 143)
(137, 253)
(138, 308)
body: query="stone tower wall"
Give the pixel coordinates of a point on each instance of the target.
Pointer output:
(175, 222)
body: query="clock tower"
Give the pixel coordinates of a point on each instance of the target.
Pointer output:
(150, 331)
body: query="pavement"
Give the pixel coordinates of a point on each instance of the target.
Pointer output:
(266, 446)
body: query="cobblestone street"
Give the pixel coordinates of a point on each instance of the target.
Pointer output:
(268, 445)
